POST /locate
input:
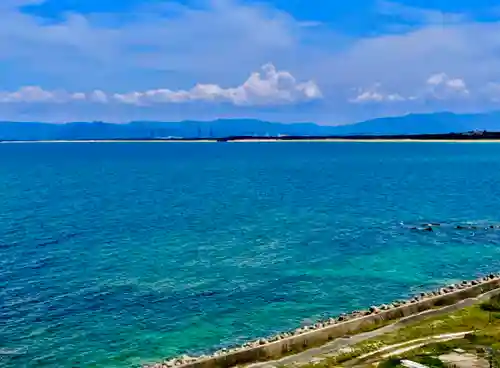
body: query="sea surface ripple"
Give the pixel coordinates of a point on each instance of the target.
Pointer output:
(113, 255)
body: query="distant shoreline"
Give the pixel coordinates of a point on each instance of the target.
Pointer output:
(265, 140)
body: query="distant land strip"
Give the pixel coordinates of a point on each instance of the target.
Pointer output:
(400, 137)
(452, 137)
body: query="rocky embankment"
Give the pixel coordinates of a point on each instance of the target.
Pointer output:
(185, 360)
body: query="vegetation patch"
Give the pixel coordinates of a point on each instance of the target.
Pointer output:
(482, 320)
(493, 305)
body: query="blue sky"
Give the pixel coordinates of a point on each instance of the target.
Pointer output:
(331, 62)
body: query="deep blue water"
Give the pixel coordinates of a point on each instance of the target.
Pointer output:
(113, 255)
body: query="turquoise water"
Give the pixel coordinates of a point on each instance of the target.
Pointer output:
(113, 255)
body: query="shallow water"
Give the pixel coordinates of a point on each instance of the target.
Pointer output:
(113, 255)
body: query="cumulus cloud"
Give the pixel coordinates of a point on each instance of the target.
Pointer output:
(375, 94)
(437, 87)
(217, 42)
(441, 86)
(268, 86)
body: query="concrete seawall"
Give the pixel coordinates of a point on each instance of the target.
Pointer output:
(319, 336)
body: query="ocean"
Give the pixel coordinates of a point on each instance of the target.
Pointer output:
(119, 254)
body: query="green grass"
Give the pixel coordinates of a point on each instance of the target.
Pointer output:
(492, 305)
(431, 362)
(476, 344)
(469, 319)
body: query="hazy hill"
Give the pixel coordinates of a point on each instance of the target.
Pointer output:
(408, 124)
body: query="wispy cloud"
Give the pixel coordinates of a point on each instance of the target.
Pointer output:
(155, 59)
(222, 39)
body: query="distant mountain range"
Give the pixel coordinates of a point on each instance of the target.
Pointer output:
(438, 123)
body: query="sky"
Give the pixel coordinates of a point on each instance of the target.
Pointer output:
(330, 62)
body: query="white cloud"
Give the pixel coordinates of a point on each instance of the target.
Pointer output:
(98, 96)
(441, 86)
(27, 94)
(221, 38)
(374, 94)
(36, 94)
(438, 86)
(78, 96)
(269, 86)
(219, 41)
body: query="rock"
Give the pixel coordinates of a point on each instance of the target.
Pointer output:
(374, 309)
(263, 342)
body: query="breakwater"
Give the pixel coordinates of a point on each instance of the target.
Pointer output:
(326, 330)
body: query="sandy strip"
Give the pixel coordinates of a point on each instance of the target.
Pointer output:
(338, 140)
